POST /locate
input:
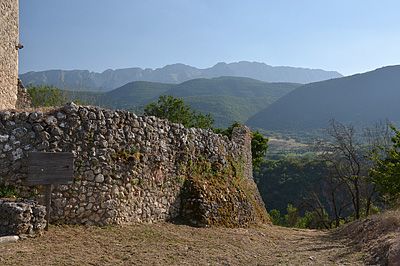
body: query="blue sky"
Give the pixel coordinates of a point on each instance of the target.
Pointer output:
(351, 36)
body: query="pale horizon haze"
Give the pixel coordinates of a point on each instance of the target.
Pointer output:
(345, 36)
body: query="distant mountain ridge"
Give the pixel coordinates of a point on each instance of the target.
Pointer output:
(361, 99)
(174, 74)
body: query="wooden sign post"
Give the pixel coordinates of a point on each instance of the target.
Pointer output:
(48, 168)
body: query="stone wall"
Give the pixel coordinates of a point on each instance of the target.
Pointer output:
(23, 98)
(130, 168)
(21, 217)
(9, 39)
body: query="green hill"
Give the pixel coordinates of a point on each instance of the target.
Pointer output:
(228, 99)
(360, 99)
(232, 86)
(136, 93)
(227, 109)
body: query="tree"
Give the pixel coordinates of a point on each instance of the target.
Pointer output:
(386, 175)
(176, 111)
(292, 217)
(347, 153)
(348, 164)
(275, 216)
(329, 193)
(313, 220)
(48, 95)
(259, 147)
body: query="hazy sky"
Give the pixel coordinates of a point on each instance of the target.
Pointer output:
(349, 36)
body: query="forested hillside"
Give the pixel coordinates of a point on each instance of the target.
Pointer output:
(360, 99)
(135, 94)
(228, 99)
(287, 181)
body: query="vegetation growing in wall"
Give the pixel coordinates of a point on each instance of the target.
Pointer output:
(8, 191)
(220, 195)
(126, 155)
(259, 143)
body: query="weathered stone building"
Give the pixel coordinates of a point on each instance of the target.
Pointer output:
(11, 94)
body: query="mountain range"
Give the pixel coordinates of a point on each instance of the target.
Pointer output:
(173, 74)
(361, 99)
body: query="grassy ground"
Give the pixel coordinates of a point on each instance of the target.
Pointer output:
(170, 244)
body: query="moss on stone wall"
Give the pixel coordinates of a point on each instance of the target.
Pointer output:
(216, 195)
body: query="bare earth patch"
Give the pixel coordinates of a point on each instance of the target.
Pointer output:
(170, 244)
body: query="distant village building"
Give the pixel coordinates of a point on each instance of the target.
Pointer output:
(12, 93)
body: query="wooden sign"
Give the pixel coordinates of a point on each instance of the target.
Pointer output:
(45, 168)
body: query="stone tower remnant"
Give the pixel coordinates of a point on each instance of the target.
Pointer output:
(12, 93)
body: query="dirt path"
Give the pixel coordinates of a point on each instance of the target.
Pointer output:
(169, 244)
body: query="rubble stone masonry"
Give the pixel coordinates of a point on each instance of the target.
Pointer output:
(21, 217)
(130, 168)
(9, 39)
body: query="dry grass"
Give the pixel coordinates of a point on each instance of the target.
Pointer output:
(376, 235)
(171, 244)
(369, 241)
